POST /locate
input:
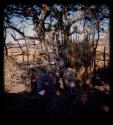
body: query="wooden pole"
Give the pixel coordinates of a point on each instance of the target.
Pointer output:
(104, 58)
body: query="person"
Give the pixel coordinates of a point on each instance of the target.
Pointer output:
(33, 80)
(40, 82)
(69, 77)
(59, 86)
(50, 82)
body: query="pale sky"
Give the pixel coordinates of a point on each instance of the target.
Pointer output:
(28, 30)
(28, 26)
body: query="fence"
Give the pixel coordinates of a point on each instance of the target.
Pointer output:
(103, 61)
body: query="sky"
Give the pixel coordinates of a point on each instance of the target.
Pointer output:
(28, 30)
(28, 26)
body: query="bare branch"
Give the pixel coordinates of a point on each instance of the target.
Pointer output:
(17, 30)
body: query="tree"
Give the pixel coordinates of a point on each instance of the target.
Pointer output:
(64, 21)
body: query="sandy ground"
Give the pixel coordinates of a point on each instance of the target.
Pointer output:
(18, 88)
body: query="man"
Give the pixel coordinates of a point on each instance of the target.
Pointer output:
(33, 80)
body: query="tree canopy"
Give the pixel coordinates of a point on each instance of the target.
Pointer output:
(58, 17)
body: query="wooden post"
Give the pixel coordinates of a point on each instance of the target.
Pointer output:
(104, 57)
